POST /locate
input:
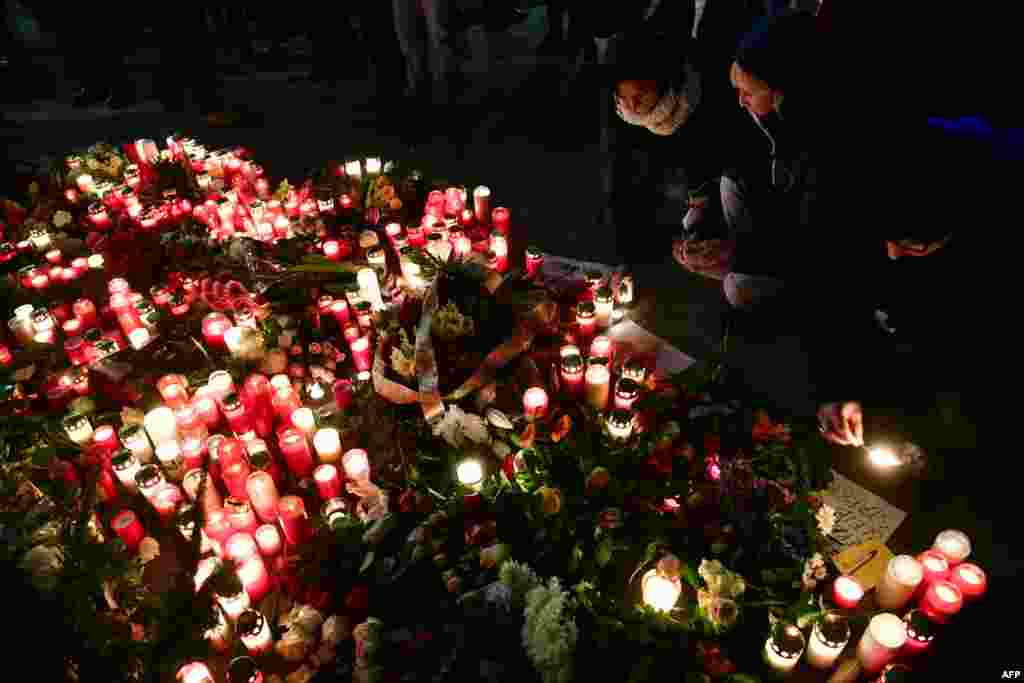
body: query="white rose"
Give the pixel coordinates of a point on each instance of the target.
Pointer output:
(61, 218)
(826, 517)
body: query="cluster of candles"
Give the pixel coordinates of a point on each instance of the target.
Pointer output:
(242, 669)
(938, 581)
(55, 269)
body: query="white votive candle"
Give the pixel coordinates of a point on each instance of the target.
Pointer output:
(902, 577)
(783, 648)
(954, 545)
(828, 638)
(881, 642)
(369, 287)
(161, 425)
(327, 443)
(304, 420)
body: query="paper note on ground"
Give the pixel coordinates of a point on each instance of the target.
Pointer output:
(669, 359)
(561, 271)
(867, 562)
(860, 514)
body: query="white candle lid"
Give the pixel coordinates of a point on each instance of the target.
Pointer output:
(906, 569)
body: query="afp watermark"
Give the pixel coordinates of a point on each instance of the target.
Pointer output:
(1012, 675)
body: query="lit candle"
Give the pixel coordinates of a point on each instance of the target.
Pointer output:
(534, 261)
(620, 424)
(304, 420)
(219, 636)
(361, 358)
(236, 414)
(603, 347)
(166, 501)
(214, 326)
(597, 380)
(783, 648)
(586, 321)
(895, 673)
(327, 443)
(339, 309)
(194, 672)
(220, 384)
(128, 528)
(941, 601)
(234, 605)
(125, 467)
(369, 287)
(240, 547)
(79, 429)
(235, 475)
(920, 633)
(218, 528)
(169, 455)
(295, 450)
(936, 567)
(462, 247)
(470, 473)
(847, 592)
(634, 369)
(328, 481)
(161, 425)
(293, 519)
(149, 479)
(954, 545)
(501, 219)
(482, 204)
(254, 632)
(174, 390)
(828, 638)
(263, 495)
(881, 642)
(626, 394)
(253, 574)
(535, 403)
(899, 583)
(571, 372)
(970, 579)
(356, 464)
(660, 592)
(268, 538)
(604, 303)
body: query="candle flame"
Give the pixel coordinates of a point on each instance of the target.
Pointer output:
(883, 457)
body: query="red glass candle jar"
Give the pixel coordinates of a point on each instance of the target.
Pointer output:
(296, 452)
(501, 220)
(941, 601)
(847, 592)
(129, 529)
(294, 520)
(936, 567)
(970, 579)
(328, 481)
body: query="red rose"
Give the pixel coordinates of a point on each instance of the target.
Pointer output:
(406, 501)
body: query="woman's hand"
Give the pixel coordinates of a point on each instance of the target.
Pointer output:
(710, 258)
(842, 423)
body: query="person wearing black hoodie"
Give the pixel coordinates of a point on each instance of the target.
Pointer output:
(778, 208)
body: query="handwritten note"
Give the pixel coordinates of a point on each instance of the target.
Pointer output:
(634, 339)
(860, 514)
(561, 272)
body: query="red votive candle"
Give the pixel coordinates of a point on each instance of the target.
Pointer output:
(268, 538)
(920, 633)
(174, 390)
(361, 357)
(6, 358)
(936, 567)
(296, 452)
(339, 309)
(214, 326)
(293, 519)
(970, 579)
(74, 347)
(166, 502)
(501, 220)
(263, 495)
(847, 592)
(240, 547)
(602, 347)
(534, 261)
(328, 481)
(218, 527)
(356, 463)
(234, 476)
(332, 250)
(343, 393)
(105, 438)
(941, 601)
(238, 418)
(254, 577)
(128, 528)
(535, 403)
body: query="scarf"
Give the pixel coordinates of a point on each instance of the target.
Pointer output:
(672, 110)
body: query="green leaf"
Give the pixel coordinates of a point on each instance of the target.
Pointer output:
(603, 554)
(367, 561)
(742, 678)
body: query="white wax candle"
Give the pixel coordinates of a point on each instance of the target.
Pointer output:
(304, 421)
(470, 473)
(79, 430)
(234, 605)
(161, 425)
(256, 637)
(168, 454)
(783, 649)
(660, 592)
(954, 545)
(828, 638)
(902, 577)
(881, 642)
(597, 381)
(327, 443)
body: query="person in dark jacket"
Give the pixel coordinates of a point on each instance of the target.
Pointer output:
(776, 209)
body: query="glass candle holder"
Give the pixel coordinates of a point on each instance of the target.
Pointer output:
(236, 414)
(633, 368)
(244, 670)
(269, 541)
(335, 511)
(881, 642)
(170, 457)
(304, 420)
(920, 633)
(263, 495)
(604, 304)
(659, 591)
(241, 514)
(534, 262)
(535, 403)
(361, 354)
(586, 320)
(327, 443)
(194, 672)
(234, 605)
(79, 429)
(902, 577)
(941, 600)
(166, 501)
(829, 637)
(234, 475)
(783, 648)
(847, 592)
(149, 479)
(620, 424)
(125, 467)
(240, 546)
(129, 529)
(597, 389)
(214, 326)
(970, 579)
(295, 449)
(161, 425)
(896, 672)
(954, 546)
(254, 576)
(211, 497)
(254, 632)
(603, 347)
(501, 220)
(571, 374)
(293, 519)
(627, 392)
(935, 566)
(364, 317)
(220, 384)
(328, 481)
(219, 636)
